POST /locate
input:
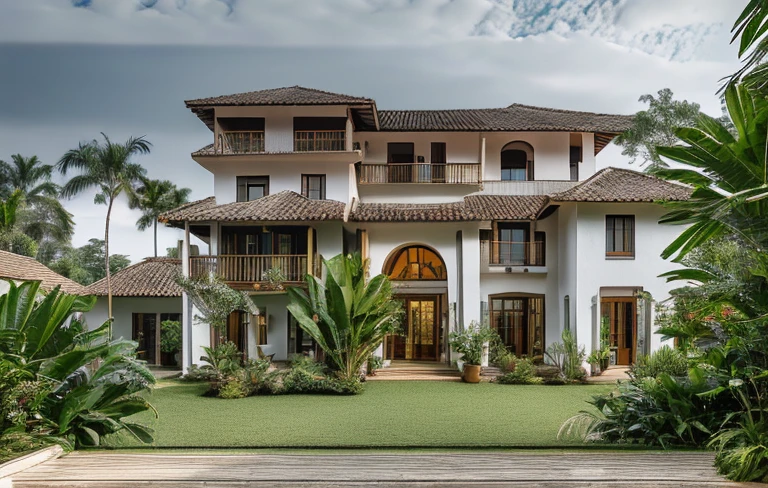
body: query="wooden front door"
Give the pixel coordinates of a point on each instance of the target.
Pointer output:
(144, 332)
(621, 315)
(420, 338)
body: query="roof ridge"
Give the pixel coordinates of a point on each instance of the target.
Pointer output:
(564, 110)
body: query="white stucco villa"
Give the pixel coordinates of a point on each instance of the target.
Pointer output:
(488, 215)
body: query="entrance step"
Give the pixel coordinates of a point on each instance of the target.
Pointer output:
(412, 370)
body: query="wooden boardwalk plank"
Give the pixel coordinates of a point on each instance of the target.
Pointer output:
(430, 469)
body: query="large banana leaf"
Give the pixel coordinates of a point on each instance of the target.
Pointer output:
(346, 315)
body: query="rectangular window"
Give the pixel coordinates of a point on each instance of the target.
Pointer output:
(400, 152)
(313, 186)
(574, 162)
(252, 187)
(620, 235)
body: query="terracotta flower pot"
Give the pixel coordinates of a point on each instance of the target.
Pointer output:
(471, 373)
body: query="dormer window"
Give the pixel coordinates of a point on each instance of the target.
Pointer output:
(517, 162)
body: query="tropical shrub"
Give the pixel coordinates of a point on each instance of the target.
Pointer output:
(506, 363)
(60, 383)
(215, 300)
(346, 315)
(524, 374)
(470, 341)
(568, 357)
(665, 360)
(223, 359)
(200, 373)
(170, 336)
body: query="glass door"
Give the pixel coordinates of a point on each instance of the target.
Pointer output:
(419, 339)
(621, 315)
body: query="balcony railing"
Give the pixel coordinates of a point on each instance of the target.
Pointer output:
(241, 142)
(443, 173)
(247, 268)
(319, 140)
(506, 253)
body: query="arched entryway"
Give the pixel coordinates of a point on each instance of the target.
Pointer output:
(419, 276)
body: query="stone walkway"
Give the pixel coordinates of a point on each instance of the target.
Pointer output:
(449, 469)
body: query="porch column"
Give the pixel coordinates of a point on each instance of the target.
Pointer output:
(213, 246)
(482, 159)
(310, 251)
(470, 262)
(186, 307)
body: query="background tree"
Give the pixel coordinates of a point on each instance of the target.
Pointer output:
(85, 264)
(41, 215)
(11, 239)
(154, 197)
(656, 127)
(107, 167)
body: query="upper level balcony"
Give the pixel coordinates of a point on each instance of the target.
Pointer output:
(240, 142)
(507, 256)
(319, 140)
(247, 270)
(420, 173)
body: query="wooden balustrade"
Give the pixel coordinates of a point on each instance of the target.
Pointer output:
(513, 253)
(247, 268)
(445, 173)
(319, 140)
(241, 142)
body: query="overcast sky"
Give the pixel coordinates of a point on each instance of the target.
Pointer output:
(70, 69)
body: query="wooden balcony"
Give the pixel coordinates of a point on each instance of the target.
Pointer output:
(319, 140)
(240, 142)
(249, 269)
(431, 173)
(505, 253)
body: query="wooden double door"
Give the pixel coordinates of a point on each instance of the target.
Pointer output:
(620, 314)
(420, 338)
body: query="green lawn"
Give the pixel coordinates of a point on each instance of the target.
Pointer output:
(386, 414)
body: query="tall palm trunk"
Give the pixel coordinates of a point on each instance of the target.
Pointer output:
(106, 262)
(155, 237)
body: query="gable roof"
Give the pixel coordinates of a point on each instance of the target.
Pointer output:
(283, 206)
(288, 95)
(623, 185)
(23, 268)
(153, 277)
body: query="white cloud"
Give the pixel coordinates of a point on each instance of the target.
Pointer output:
(673, 30)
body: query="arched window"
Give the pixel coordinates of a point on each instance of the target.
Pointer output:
(415, 263)
(517, 162)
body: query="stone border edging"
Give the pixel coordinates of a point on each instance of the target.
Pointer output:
(29, 460)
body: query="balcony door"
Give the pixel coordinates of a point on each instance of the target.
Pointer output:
(400, 159)
(512, 241)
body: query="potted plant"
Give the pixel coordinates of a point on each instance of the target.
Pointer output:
(170, 340)
(469, 343)
(599, 360)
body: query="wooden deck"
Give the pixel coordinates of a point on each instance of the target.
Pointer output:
(529, 469)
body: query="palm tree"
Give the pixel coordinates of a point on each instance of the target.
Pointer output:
(728, 173)
(750, 29)
(154, 197)
(11, 239)
(107, 167)
(42, 216)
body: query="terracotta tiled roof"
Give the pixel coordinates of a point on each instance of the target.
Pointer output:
(472, 208)
(153, 277)
(516, 117)
(23, 268)
(623, 185)
(504, 207)
(407, 212)
(284, 206)
(290, 95)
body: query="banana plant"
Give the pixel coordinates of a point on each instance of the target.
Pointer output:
(88, 385)
(346, 315)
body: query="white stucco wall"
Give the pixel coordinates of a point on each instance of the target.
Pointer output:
(123, 309)
(595, 271)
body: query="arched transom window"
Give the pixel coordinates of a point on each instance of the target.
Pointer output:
(517, 162)
(416, 263)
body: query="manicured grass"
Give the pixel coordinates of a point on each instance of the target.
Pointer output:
(386, 414)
